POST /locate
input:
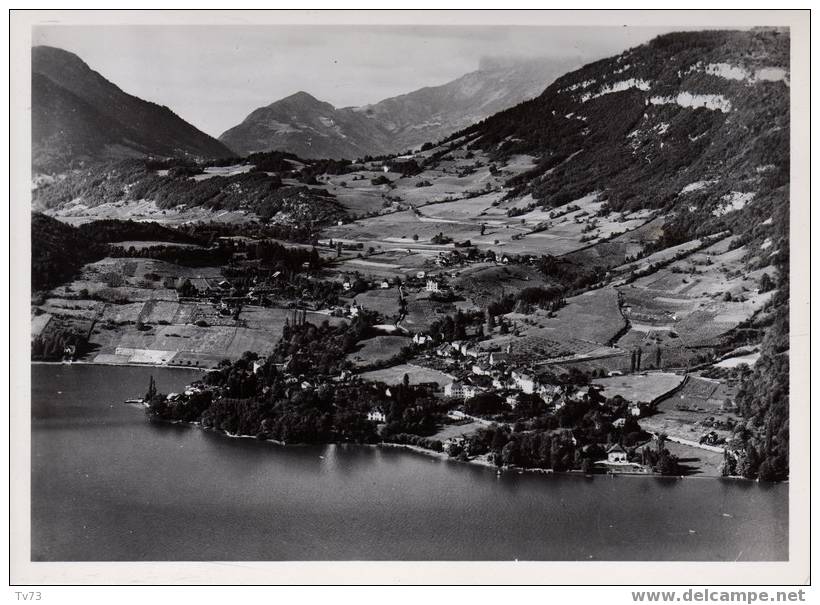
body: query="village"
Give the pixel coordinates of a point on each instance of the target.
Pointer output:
(483, 330)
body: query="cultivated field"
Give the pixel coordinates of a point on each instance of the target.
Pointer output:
(581, 327)
(421, 312)
(485, 283)
(417, 374)
(378, 349)
(384, 302)
(173, 332)
(576, 225)
(640, 388)
(692, 302)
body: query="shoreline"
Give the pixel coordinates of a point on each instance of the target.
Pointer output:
(442, 456)
(118, 365)
(385, 444)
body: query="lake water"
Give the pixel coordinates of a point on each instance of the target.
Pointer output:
(109, 485)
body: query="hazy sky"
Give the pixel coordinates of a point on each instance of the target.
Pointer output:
(213, 76)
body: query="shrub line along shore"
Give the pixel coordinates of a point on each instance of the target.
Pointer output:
(446, 458)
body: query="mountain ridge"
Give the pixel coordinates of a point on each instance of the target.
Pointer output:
(71, 103)
(312, 128)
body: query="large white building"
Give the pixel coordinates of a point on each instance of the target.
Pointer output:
(460, 390)
(524, 382)
(376, 415)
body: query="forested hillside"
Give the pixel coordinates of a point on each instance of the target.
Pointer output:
(691, 120)
(259, 193)
(58, 251)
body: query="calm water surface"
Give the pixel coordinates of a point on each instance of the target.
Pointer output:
(109, 485)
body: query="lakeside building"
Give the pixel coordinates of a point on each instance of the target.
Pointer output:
(616, 454)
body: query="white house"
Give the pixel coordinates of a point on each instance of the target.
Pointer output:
(432, 285)
(616, 454)
(421, 339)
(502, 382)
(460, 390)
(547, 391)
(481, 369)
(524, 382)
(469, 391)
(384, 285)
(376, 415)
(635, 410)
(258, 364)
(444, 350)
(420, 274)
(454, 389)
(471, 351)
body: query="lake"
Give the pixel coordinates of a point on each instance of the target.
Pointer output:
(110, 485)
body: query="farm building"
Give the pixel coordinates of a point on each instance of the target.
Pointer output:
(421, 339)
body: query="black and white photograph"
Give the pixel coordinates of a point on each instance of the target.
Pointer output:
(418, 287)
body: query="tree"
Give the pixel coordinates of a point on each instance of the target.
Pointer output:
(667, 463)
(152, 389)
(749, 463)
(766, 283)
(187, 289)
(509, 453)
(729, 467)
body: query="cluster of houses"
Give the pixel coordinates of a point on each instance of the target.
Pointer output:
(494, 371)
